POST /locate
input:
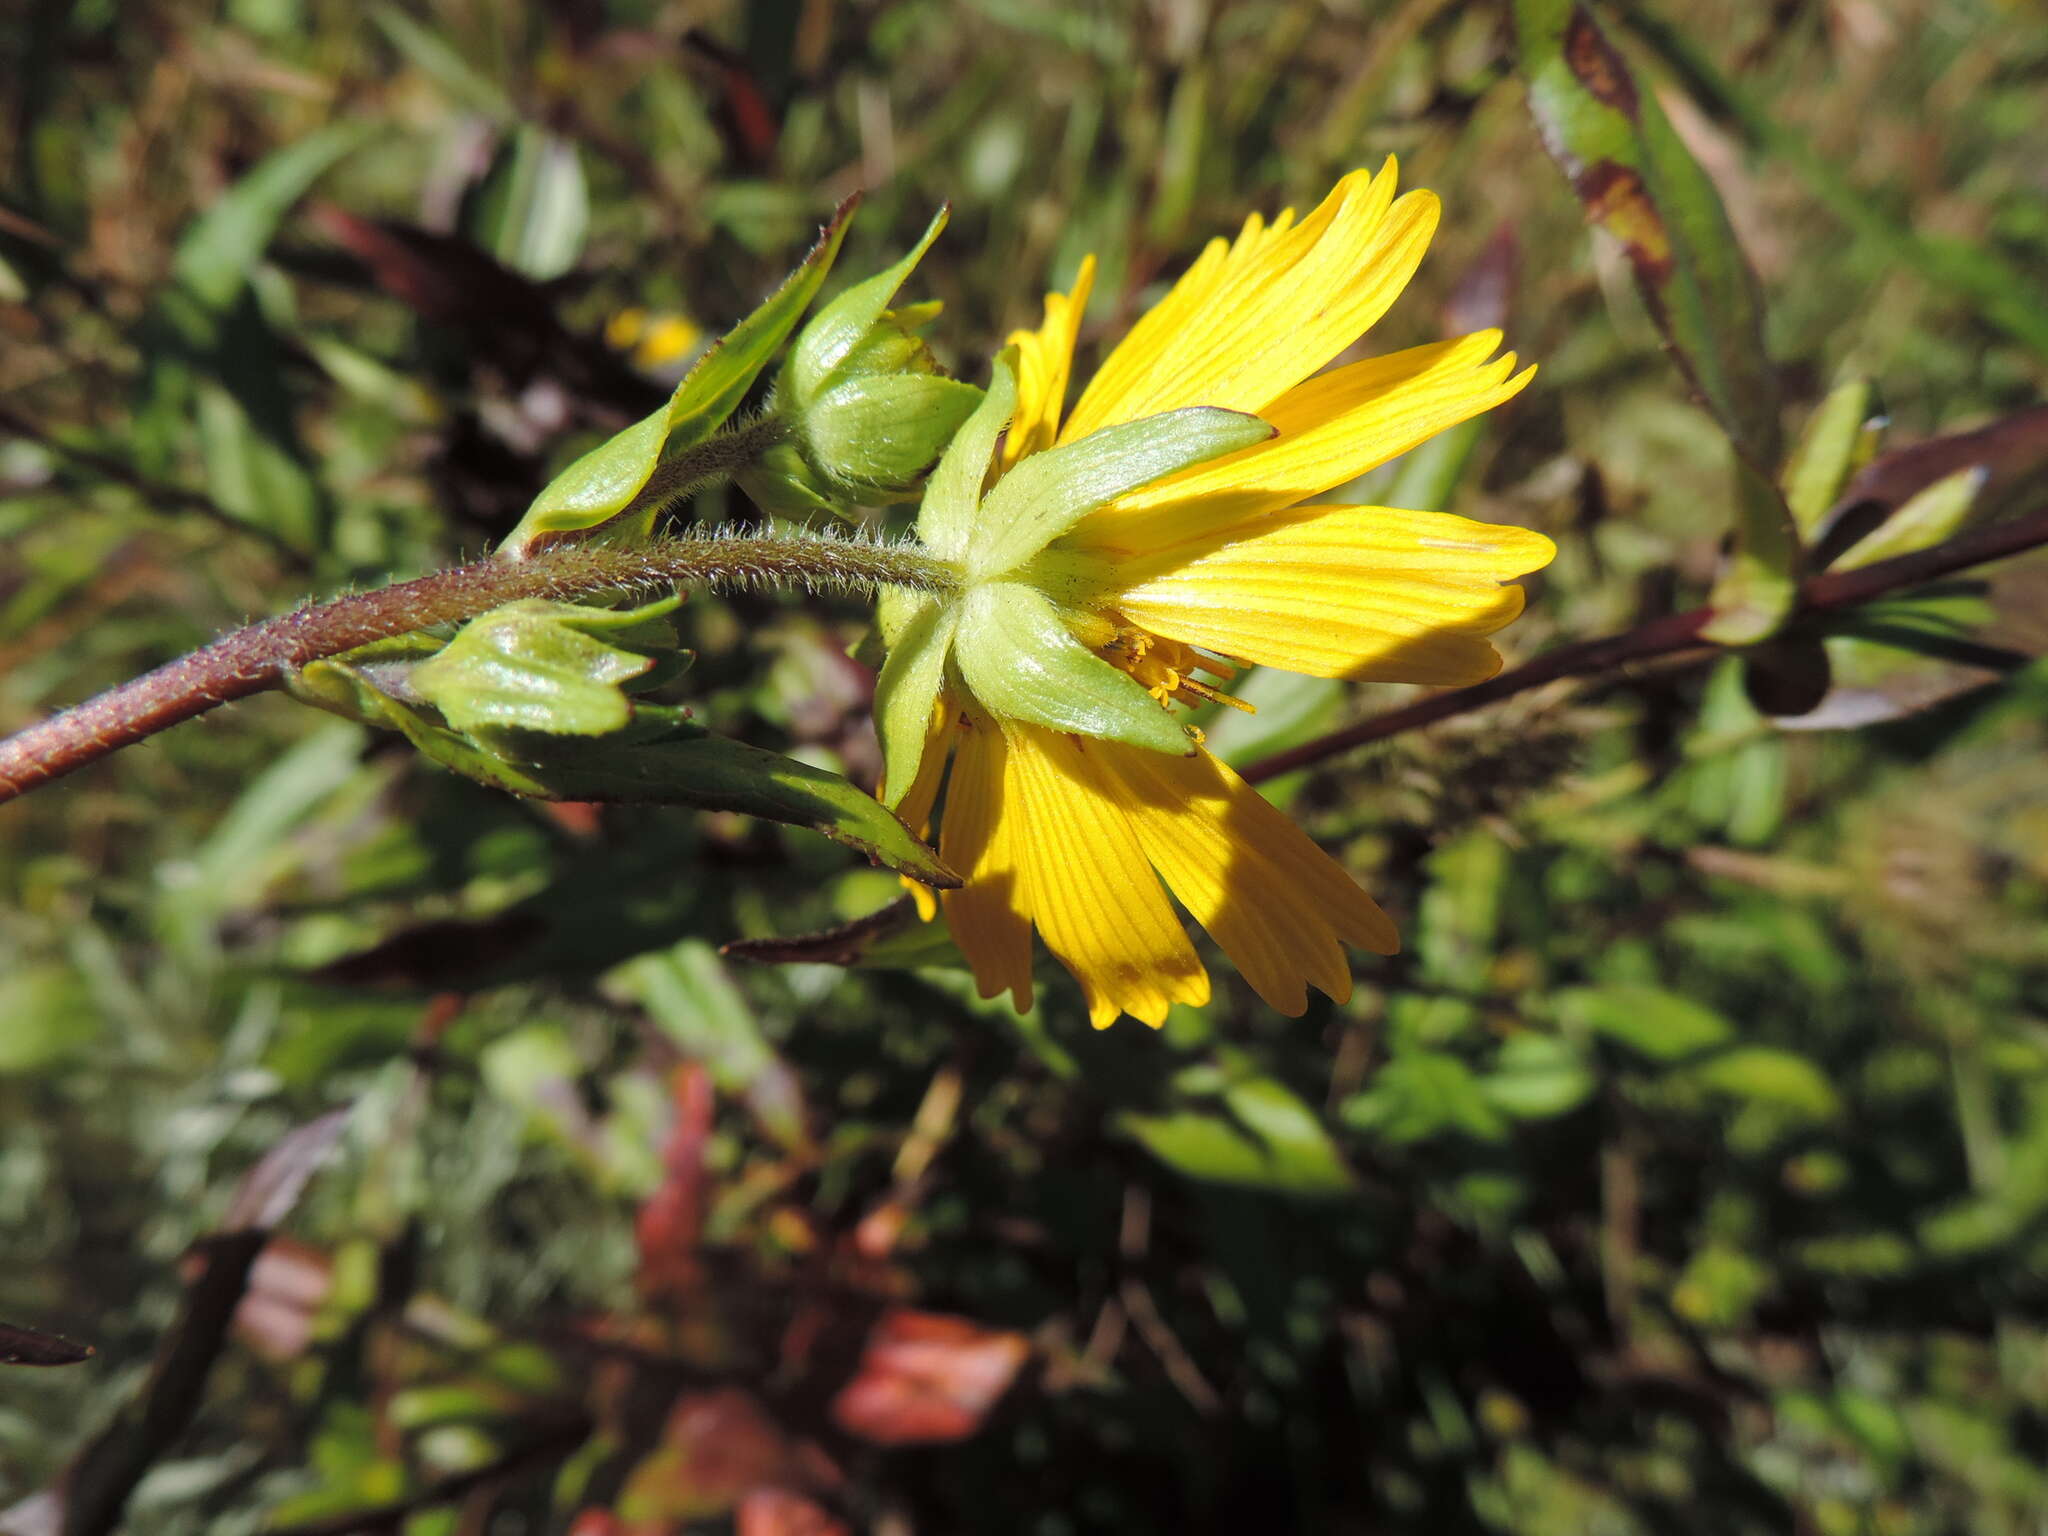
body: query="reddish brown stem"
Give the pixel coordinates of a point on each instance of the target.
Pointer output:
(257, 658)
(1825, 593)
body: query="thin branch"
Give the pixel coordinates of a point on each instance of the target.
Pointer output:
(257, 658)
(1825, 593)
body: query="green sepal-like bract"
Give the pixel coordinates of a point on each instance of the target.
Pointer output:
(921, 636)
(594, 491)
(556, 668)
(1046, 494)
(868, 408)
(952, 495)
(1019, 659)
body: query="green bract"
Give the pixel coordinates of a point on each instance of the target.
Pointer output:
(867, 406)
(556, 668)
(1009, 636)
(600, 486)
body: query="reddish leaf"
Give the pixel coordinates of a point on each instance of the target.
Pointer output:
(672, 1220)
(288, 1285)
(716, 1448)
(778, 1512)
(926, 1378)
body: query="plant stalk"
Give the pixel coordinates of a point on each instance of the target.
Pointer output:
(257, 658)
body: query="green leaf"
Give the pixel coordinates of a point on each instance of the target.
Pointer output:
(1661, 1025)
(1839, 439)
(1420, 1094)
(1018, 658)
(1765, 1075)
(1538, 1077)
(1930, 516)
(1234, 1125)
(1046, 494)
(1638, 182)
(906, 691)
(601, 485)
(688, 994)
(537, 665)
(841, 324)
(689, 766)
(953, 493)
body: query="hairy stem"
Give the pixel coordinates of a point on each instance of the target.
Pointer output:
(257, 658)
(1828, 592)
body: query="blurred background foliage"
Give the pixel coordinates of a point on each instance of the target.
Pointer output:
(1688, 1171)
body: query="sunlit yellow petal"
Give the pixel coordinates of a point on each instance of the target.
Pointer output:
(1280, 907)
(984, 831)
(1331, 429)
(1090, 888)
(1362, 592)
(1246, 325)
(1045, 360)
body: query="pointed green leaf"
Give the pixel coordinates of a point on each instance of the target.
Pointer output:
(1838, 435)
(1638, 182)
(842, 323)
(1019, 659)
(1662, 1025)
(602, 484)
(953, 492)
(1931, 516)
(907, 689)
(689, 766)
(1045, 494)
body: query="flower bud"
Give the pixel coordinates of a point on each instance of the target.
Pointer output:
(868, 407)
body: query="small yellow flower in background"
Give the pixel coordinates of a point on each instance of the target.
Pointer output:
(657, 342)
(1067, 804)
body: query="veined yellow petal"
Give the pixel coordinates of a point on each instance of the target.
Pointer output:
(984, 830)
(1246, 325)
(1331, 429)
(1045, 360)
(1362, 592)
(1089, 887)
(1279, 906)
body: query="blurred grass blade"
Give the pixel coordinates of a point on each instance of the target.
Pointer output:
(223, 246)
(1638, 182)
(432, 55)
(2003, 294)
(533, 209)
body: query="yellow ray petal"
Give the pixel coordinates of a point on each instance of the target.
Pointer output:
(1045, 359)
(1372, 593)
(980, 837)
(1331, 429)
(1246, 325)
(1089, 887)
(1279, 906)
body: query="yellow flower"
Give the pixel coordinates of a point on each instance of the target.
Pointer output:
(1070, 832)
